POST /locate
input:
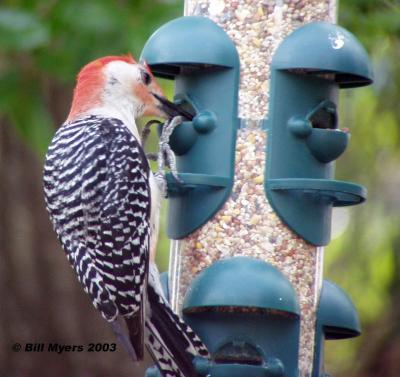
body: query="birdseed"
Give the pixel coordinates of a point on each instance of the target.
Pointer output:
(246, 224)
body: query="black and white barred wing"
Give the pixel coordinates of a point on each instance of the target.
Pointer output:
(124, 226)
(97, 193)
(124, 233)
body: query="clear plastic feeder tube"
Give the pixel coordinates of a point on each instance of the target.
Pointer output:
(247, 225)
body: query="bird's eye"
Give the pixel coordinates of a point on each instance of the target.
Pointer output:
(146, 77)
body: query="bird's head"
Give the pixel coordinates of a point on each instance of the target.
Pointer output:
(121, 84)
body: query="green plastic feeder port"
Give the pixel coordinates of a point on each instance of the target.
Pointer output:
(247, 314)
(337, 318)
(304, 139)
(319, 129)
(203, 61)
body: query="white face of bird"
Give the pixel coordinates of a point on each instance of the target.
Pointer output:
(133, 85)
(121, 84)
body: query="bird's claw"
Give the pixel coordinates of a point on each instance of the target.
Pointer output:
(146, 131)
(169, 127)
(166, 156)
(170, 161)
(161, 183)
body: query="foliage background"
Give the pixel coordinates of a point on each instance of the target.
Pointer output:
(42, 46)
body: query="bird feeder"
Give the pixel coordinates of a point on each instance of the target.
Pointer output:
(257, 165)
(337, 318)
(305, 138)
(206, 75)
(245, 310)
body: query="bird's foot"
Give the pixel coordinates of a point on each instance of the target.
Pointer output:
(161, 182)
(146, 130)
(166, 155)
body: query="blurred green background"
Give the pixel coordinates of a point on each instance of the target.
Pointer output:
(43, 44)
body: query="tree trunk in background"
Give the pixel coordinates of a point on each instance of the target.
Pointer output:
(41, 300)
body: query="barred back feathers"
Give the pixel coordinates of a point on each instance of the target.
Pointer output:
(97, 191)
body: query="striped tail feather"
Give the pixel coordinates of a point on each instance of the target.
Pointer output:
(171, 342)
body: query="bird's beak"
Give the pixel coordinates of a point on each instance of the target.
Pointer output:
(171, 109)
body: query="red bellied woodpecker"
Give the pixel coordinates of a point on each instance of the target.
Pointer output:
(103, 202)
